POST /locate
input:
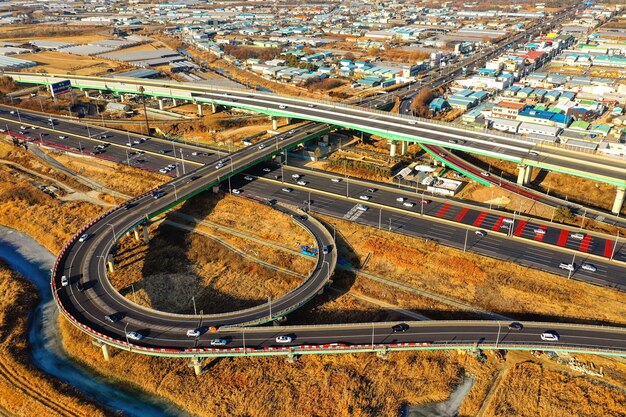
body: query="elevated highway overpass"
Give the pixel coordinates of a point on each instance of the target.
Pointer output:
(397, 128)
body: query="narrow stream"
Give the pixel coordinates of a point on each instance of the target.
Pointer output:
(448, 408)
(33, 261)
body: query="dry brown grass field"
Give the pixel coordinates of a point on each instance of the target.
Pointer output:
(24, 390)
(118, 177)
(344, 385)
(175, 266)
(530, 390)
(63, 63)
(49, 221)
(493, 285)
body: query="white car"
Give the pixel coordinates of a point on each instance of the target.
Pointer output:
(336, 179)
(236, 191)
(164, 171)
(539, 231)
(23, 127)
(195, 153)
(400, 199)
(193, 332)
(302, 182)
(287, 190)
(362, 207)
(219, 342)
(550, 336)
(64, 281)
(62, 137)
(267, 169)
(509, 221)
(129, 144)
(295, 176)
(83, 237)
(261, 146)
(484, 174)
(408, 204)
(137, 142)
(171, 166)
(480, 233)
(567, 267)
(218, 166)
(134, 336)
(578, 236)
(283, 339)
(282, 106)
(365, 197)
(412, 122)
(589, 267)
(248, 178)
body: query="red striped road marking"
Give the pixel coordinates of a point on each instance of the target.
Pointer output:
(584, 245)
(538, 236)
(443, 210)
(498, 223)
(563, 238)
(462, 214)
(520, 227)
(480, 219)
(608, 248)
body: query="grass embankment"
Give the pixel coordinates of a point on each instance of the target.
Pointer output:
(49, 221)
(118, 177)
(493, 285)
(528, 389)
(178, 264)
(582, 190)
(24, 390)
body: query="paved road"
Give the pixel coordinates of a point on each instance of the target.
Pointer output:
(542, 251)
(84, 263)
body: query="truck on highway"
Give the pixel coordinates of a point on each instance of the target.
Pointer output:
(308, 250)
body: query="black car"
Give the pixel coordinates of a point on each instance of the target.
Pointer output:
(516, 326)
(401, 327)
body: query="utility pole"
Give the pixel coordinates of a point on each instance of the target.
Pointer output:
(465, 244)
(182, 158)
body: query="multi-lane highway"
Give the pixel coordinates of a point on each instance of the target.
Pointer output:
(392, 126)
(447, 221)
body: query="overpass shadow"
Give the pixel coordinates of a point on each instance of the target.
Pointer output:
(180, 267)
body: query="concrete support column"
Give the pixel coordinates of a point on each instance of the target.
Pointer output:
(288, 120)
(174, 102)
(403, 147)
(216, 189)
(325, 138)
(110, 264)
(392, 149)
(105, 351)
(274, 123)
(213, 108)
(196, 363)
(619, 200)
(146, 234)
(529, 174)
(86, 93)
(136, 232)
(521, 174)
(200, 110)
(161, 104)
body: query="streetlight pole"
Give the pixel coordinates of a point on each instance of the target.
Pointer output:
(182, 158)
(465, 243)
(614, 245)
(571, 270)
(127, 158)
(372, 335)
(126, 334)
(269, 301)
(193, 299)
(145, 112)
(498, 337)
(112, 227)
(175, 192)
(380, 216)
